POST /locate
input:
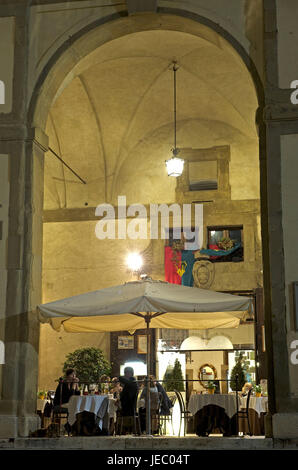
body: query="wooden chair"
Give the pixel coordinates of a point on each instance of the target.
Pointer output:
(184, 414)
(244, 414)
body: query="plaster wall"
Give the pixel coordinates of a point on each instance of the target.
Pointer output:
(7, 38)
(76, 261)
(215, 358)
(244, 334)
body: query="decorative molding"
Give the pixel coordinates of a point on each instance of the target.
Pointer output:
(203, 273)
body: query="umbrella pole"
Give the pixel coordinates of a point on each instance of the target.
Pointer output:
(148, 410)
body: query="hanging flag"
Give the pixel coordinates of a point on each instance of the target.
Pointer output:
(188, 259)
(173, 267)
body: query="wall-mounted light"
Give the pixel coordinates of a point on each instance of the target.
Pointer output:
(134, 262)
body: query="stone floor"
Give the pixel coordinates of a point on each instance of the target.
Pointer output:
(191, 443)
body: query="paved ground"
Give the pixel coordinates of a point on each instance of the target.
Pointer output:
(148, 443)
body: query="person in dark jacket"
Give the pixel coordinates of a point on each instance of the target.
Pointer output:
(166, 403)
(129, 393)
(66, 388)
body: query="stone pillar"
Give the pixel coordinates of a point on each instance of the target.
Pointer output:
(278, 117)
(24, 150)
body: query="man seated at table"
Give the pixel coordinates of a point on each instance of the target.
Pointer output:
(129, 393)
(66, 388)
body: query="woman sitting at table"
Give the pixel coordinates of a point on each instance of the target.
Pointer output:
(66, 388)
(116, 388)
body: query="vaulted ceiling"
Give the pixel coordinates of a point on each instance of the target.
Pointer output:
(113, 121)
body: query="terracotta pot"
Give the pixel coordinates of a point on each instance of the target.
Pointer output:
(258, 394)
(211, 391)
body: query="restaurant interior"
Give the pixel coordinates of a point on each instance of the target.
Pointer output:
(131, 108)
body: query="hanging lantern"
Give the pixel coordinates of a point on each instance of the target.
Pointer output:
(175, 164)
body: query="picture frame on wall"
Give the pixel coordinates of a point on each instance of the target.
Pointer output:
(126, 342)
(142, 344)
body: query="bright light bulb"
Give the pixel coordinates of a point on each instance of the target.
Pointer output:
(134, 261)
(175, 166)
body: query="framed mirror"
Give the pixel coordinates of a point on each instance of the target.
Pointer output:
(206, 372)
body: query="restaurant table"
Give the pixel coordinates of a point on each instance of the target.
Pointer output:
(214, 412)
(101, 406)
(258, 407)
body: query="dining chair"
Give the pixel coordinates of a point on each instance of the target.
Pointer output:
(58, 415)
(184, 414)
(128, 422)
(244, 414)
(164, 419)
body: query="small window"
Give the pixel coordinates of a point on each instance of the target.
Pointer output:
(203, 176)
(229, 239)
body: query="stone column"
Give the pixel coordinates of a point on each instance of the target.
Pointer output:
(278, 117)
(24, 149)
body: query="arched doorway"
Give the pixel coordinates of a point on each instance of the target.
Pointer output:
(118, 95)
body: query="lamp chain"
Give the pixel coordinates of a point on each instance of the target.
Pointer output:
(175, 68)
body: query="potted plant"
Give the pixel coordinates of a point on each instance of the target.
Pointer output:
(89, 364)
(173, 378)
(211, 387)
(238, 375)
(42, 395)
(258, 390)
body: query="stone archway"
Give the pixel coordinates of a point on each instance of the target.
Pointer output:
(67, 61)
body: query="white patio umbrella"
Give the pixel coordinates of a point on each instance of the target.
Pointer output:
(160, 304)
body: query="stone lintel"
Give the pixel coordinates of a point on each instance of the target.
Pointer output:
(135, 6)
(280, 112)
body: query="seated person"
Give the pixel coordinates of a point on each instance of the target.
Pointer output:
(165, 402)
(129, 392)
(154, 405)
(66, 388)
(245, 389)
(105, 383)
(116, 388)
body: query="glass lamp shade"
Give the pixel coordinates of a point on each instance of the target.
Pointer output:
(175, 166)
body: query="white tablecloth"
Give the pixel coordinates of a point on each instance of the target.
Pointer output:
(228, 402)
(41, 404)
(96, 404)
(259, 404)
